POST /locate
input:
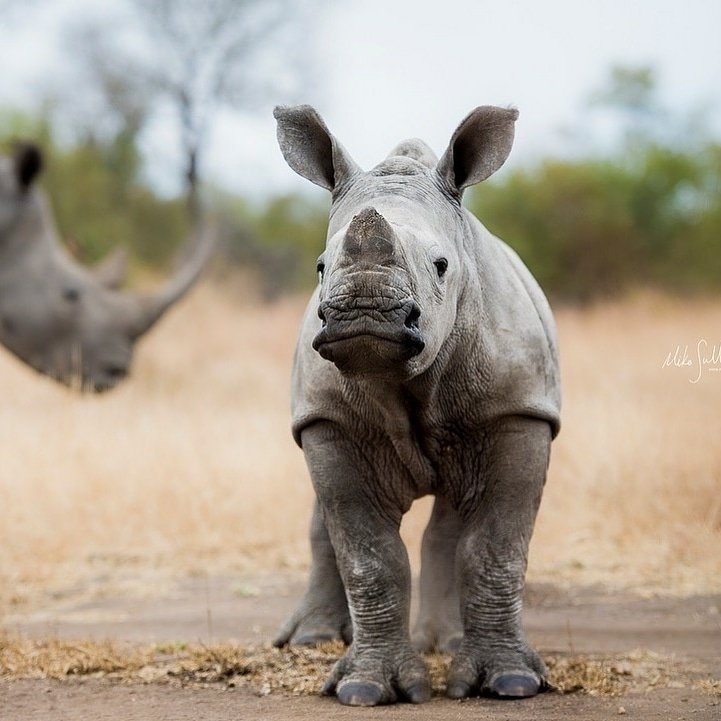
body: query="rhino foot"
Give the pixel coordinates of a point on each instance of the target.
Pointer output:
(360, 681)
(511, 673)
(311, 625)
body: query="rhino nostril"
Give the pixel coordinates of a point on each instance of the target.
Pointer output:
(413, 315)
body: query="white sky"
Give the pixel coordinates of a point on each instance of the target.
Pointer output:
(390, 69)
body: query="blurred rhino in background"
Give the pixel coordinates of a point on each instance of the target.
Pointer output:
(66, 321)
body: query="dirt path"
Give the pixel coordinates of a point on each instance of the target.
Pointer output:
(43, 701)
(685, 632)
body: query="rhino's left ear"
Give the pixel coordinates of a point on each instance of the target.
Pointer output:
(28, 162)
(310, 149)
(478, 148)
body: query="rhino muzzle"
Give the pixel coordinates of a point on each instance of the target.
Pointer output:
(370, 323)
(369, 338)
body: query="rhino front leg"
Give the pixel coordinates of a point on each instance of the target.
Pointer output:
(495, 657)
(323, 613)
(439, 619)
(363, 519)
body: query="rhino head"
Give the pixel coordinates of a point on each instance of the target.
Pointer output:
(393, 271)
(64, 320)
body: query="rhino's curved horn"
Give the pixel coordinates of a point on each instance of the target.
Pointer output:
(112, 270)
(152, 307)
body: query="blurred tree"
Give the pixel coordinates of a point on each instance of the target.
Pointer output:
(16, 124)
(281, 237)
(632, 90)
(598, 227)
(198, 56)
(647, 211)
(631, 95)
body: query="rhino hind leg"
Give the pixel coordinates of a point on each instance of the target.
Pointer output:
(495, 657)
(323, 613)
(439, 626)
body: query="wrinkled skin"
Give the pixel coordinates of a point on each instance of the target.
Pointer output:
(65, 321)
(427, 364)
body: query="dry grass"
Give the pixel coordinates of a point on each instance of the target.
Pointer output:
(298, 671)
(710, 686)
(190, 466)
(597, 675)
(634, 492)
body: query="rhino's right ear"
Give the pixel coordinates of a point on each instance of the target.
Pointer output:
(28, 162)
(310, 149)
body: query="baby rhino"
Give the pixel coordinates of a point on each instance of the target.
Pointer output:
(427, 364)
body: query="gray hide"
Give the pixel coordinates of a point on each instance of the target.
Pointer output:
(427, 363)
(63, 320)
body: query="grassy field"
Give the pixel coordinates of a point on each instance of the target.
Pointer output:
(190, 468)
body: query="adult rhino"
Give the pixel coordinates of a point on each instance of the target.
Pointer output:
(427, 364)
(65, 321)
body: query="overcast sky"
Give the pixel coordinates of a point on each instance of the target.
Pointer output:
(390, 69)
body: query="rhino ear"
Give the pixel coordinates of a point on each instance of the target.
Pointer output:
(310, 149)
(28, 162)
(478, 148)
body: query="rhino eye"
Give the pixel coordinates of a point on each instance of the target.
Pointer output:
(441, 266)
(117, 372)
(71, 295)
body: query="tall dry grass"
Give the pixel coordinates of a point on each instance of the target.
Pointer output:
(634, 492)
(189, 466)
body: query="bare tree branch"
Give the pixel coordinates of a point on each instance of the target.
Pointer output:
(201, 55)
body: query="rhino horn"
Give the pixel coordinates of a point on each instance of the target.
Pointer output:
(152, 307)
(112, 270)
(369, 238)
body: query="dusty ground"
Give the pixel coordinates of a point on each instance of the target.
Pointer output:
(39, 700)
(662, 651)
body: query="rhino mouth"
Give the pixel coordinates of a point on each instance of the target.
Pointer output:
(369, 335)
(369, 350)
(407, 337)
